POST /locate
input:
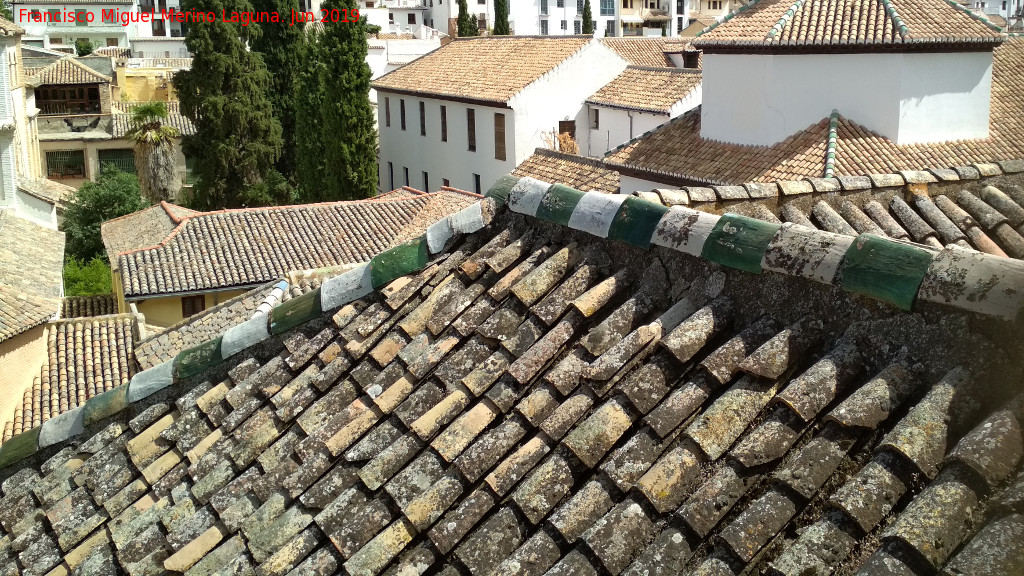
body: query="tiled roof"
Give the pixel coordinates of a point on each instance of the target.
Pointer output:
(647, 89)
(251, 246)
(846, 23)
(31, 269)
(86, 357)
(577, 171)
(676, 148)
(146, 227)
(640, 51)
(539, 398)
(68, 71)
(168, 343)
(85, 306)
(47, 190)
(122, 116)
(114, 51)
(490, 68)
(8, 28)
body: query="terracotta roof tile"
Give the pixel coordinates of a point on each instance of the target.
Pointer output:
(647, 89)
(576, 171)
(646, 51)
(146, 227)
(490, 68)
(31, 269)
(818, 23)
(85, 306)
(68, 71)
(122, 117)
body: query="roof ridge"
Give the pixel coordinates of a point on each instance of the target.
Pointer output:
(670, 69)
(833, 140)
(167, 208)
(894, 16)
(784, 20)
(978, 17)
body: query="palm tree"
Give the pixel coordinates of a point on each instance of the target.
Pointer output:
(154, 151)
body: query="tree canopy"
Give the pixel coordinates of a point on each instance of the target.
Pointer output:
(115, 193)
(501, 27)
(588, 18)
(467, 22)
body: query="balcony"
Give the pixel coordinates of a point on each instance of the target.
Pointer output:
(59, 108)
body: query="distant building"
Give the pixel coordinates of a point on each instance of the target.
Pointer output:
(470, 112)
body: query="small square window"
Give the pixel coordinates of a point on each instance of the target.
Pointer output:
(192, 305)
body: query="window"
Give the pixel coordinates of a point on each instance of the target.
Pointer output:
(607, 7)
(81, 18)
(445, 182)
(423, 119)
(406, 175)
(391, 174)
(579, 7)
(108, 17)
(122, 158)
(158, 28)
(412, 18)
(444, 123)
(192, 305)
(401, 112)
(391, 17)
(543, 7)
(543, 27)
(595, 119)
(679, 24)
(560, 3)
(53, 16)
(387, 111)
(481, 22)
(567, 127)
(190, 165)
(471, 128)
(499, 136)
(111, 41)
(426, 183)
(679, 7)
(609, 28)
(65, 164)
(476, 183)
(565, 25)
(82, 99)
(714, 4)
(577, 27)
(691, 59)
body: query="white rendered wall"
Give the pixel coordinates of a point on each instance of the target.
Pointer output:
(560, 95)
(617, 126)
(763, 99)
(450, 160)
(629, 184)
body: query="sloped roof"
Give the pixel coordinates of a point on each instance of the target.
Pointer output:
(146, 227)
(644, 51)
(86, 357)
(579, 172)
(229, 248)
(647, 89)
(122, 119)
(86, 306)
(67, 71)
(8, 28)
(47, 190)
(825, 24)
(535, 398)
(31, 269)
(490, 69)
(677, 148)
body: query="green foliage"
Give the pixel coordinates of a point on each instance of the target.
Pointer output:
(237, 139)
(281, 45)
(86, 278)
(114, 194)
(467, 22)
(336, 144)
(501, 27)
(5, 10)
(83, 47)
(372, 29)
(588, 18)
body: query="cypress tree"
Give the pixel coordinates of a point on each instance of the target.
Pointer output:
(588, 18)
(501, 27)
(237, 139)
(467, 23)
(337, 149)
(281, 47)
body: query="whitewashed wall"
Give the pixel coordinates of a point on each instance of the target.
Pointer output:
(629, 184)
(763, 99)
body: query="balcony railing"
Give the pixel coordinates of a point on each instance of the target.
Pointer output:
(58, 108)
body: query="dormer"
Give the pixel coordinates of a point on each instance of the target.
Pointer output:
(914, 71)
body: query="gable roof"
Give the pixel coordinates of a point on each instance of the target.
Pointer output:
(644, 51)
(647, 89)
(676, 149)
(490, 69)
(580, 172)
(67, 71)
(845, 24)
(246, 247)
(31, 270)
(524, 396)
(122, 119)
(86, 357)
(147, 227)
(8, 28)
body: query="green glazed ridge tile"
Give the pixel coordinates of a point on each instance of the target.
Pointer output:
(294, 312)
(558, 204)
(397, 262)
(636, 221)
(739, 242)
(884, 270)
(500, 189)
(107, 404)
(197, 359)
(19, 447)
